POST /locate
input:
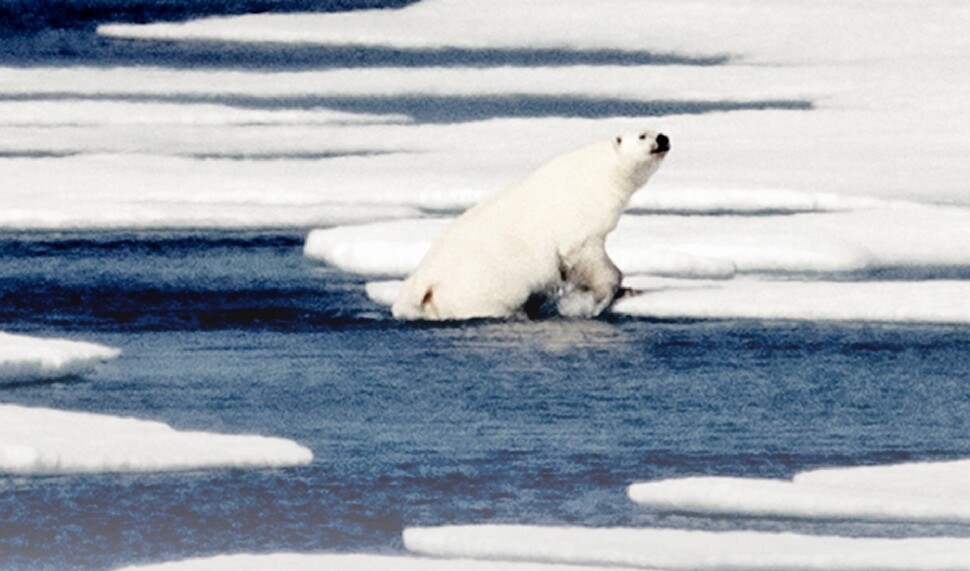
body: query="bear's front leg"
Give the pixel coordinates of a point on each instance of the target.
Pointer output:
(591, 280)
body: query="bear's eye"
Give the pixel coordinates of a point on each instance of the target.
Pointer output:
(643, 136)
(619, 140)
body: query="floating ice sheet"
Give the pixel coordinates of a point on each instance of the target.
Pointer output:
(81, 112)
(694, 550)
(872, 134)
(827, 30)
(914, 492)
(25, 359)
(895, 236)
(142, 191)
(918, 301)
(891, 262)
(36, 441)
(389, 248)
(944, 302)
(310, 562)
(869, 132)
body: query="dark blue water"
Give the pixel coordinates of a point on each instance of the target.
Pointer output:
(532, 422)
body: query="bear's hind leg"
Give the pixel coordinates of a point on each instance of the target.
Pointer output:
(591, 281)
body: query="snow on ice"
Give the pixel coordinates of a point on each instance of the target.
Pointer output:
(869, 134)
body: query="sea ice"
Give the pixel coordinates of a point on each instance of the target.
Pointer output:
(942, 301)
(693, 550)
(37, 441)
(870, 133)
(825, 31)
(795, 252)
(913, 492)
(901, 236)
(349, 562)
(915, 301)
(893, 261)
(384, 248)
(24, 358)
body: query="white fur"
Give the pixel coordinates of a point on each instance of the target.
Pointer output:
(546, 235)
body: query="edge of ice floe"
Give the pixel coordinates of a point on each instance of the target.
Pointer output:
(684, 549)
(347, 562)
(912, 492)
(24, 358)
(42, 441)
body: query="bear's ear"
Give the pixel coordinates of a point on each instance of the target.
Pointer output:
(617, 142)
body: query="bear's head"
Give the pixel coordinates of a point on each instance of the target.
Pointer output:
(640, 154)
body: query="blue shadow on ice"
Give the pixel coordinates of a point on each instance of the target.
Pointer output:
(74, 48)
(453, 109)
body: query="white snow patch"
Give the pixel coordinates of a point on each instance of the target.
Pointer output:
(913, 492)
(383, 292)
(347, 562)
(636, 83)
(872, 133)
(929, 301)
(25, 358)
(939, 479)
(141, 191)
(388, 248)
(694, 550)
(897, 235)
(44, 441)
(746, 201)
(89, 113)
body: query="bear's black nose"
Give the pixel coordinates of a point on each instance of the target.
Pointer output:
(663, 143)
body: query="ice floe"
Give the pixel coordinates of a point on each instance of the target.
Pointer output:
(871, 133)
(25, 358)
(39, 441)
(920, 301)
(912, 492)
(99, 112)
(348, 562)
(897, 236)
(934, 301)
(386, 248)
(878, 261)
(139, 191)
(693, 550)
(819, 31)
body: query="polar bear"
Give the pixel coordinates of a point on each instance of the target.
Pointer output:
(541, 238)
